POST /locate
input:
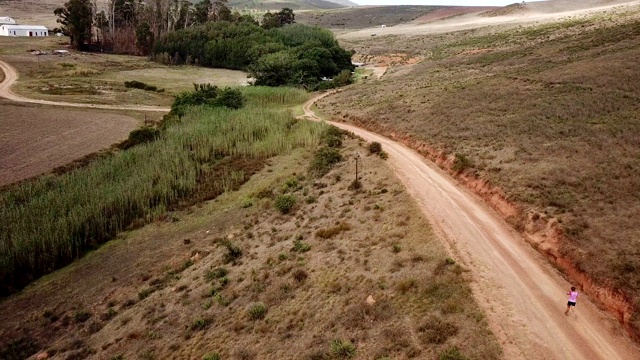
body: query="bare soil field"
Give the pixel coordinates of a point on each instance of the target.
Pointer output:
(35, 139)
(348, 274)
(99, 78)
(541, 121)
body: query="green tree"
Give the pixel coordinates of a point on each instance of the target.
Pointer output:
(273, 69)
(270, 20)
(76, 18)
(144, 38)
(286, 16)
(201, 11)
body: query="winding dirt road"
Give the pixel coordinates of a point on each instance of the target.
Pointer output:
(11, 76)
(522, 294)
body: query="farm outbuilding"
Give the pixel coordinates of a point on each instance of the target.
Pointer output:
(5, 20)
(23, 30)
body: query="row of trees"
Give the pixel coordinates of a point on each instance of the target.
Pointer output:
(131, 26)
(296, 54)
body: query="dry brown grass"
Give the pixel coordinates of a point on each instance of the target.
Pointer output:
(314, 299)
(549, 114)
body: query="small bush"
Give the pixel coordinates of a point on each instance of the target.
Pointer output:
(300, 275)
(216, 273)
(452, 353)
(343, 349)
(141, 136)
(299, 246)
(333, 231)
(257, 311)
(375, 148)
(143, 294)
(231, 98)
(284, 203)
(133, 84)
(200, 324)
(324, 159)
(436, 330)
(212, 356)
(81, 316)
(233, 251)
(310, 199)
(461, 163)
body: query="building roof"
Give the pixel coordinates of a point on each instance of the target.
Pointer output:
(24, 27)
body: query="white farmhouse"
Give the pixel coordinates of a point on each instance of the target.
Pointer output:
(5, 20)
(23, 30)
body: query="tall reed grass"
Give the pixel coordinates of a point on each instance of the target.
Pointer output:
(49, 222)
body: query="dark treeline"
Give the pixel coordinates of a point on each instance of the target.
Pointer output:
(295, 54)
(131, 26)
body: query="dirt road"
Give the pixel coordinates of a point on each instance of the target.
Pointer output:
(11, 76)
(522, 294)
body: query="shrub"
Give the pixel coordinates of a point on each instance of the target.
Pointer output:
(333, 231)
(452, 353)
(284, 203)
(299, 246)
(212, 356)
(141, 136)
(300, 275)
(231, 98)
(133, 84)
(437, 331)
(200, 324)
(233, 251)
(257, 311)
(324, 159)
(461, 162)
(81, 316)
(343, 349)
(332, 137)
(216, 273)
(375, 148)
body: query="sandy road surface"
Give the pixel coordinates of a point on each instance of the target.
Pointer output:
(523, 295)
(11, 76)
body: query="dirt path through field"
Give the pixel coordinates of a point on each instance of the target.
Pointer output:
(11, 76)
(522, 294)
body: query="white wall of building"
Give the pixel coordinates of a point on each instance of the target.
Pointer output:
(23, 30)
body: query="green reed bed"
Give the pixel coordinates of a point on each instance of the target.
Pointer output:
(48, 222)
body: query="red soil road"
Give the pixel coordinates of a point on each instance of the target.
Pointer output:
(522, 294)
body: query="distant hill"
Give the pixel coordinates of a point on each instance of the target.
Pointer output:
(292, 4)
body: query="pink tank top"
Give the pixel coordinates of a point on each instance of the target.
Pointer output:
(573, 296)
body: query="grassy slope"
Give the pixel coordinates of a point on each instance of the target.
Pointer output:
(279, 4)
(359, 18)
(548, 114)
(312, 297)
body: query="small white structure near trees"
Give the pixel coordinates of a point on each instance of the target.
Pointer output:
(5, 20)
(23, 30)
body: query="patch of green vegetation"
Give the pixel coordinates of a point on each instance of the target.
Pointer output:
(257, 311)
(343, 349)
(52, 220)
(284, 203)
(133, 84)
(323, 160)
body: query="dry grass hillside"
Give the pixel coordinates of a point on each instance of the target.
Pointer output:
(548, 114)
(364, 17)
(235, 278)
